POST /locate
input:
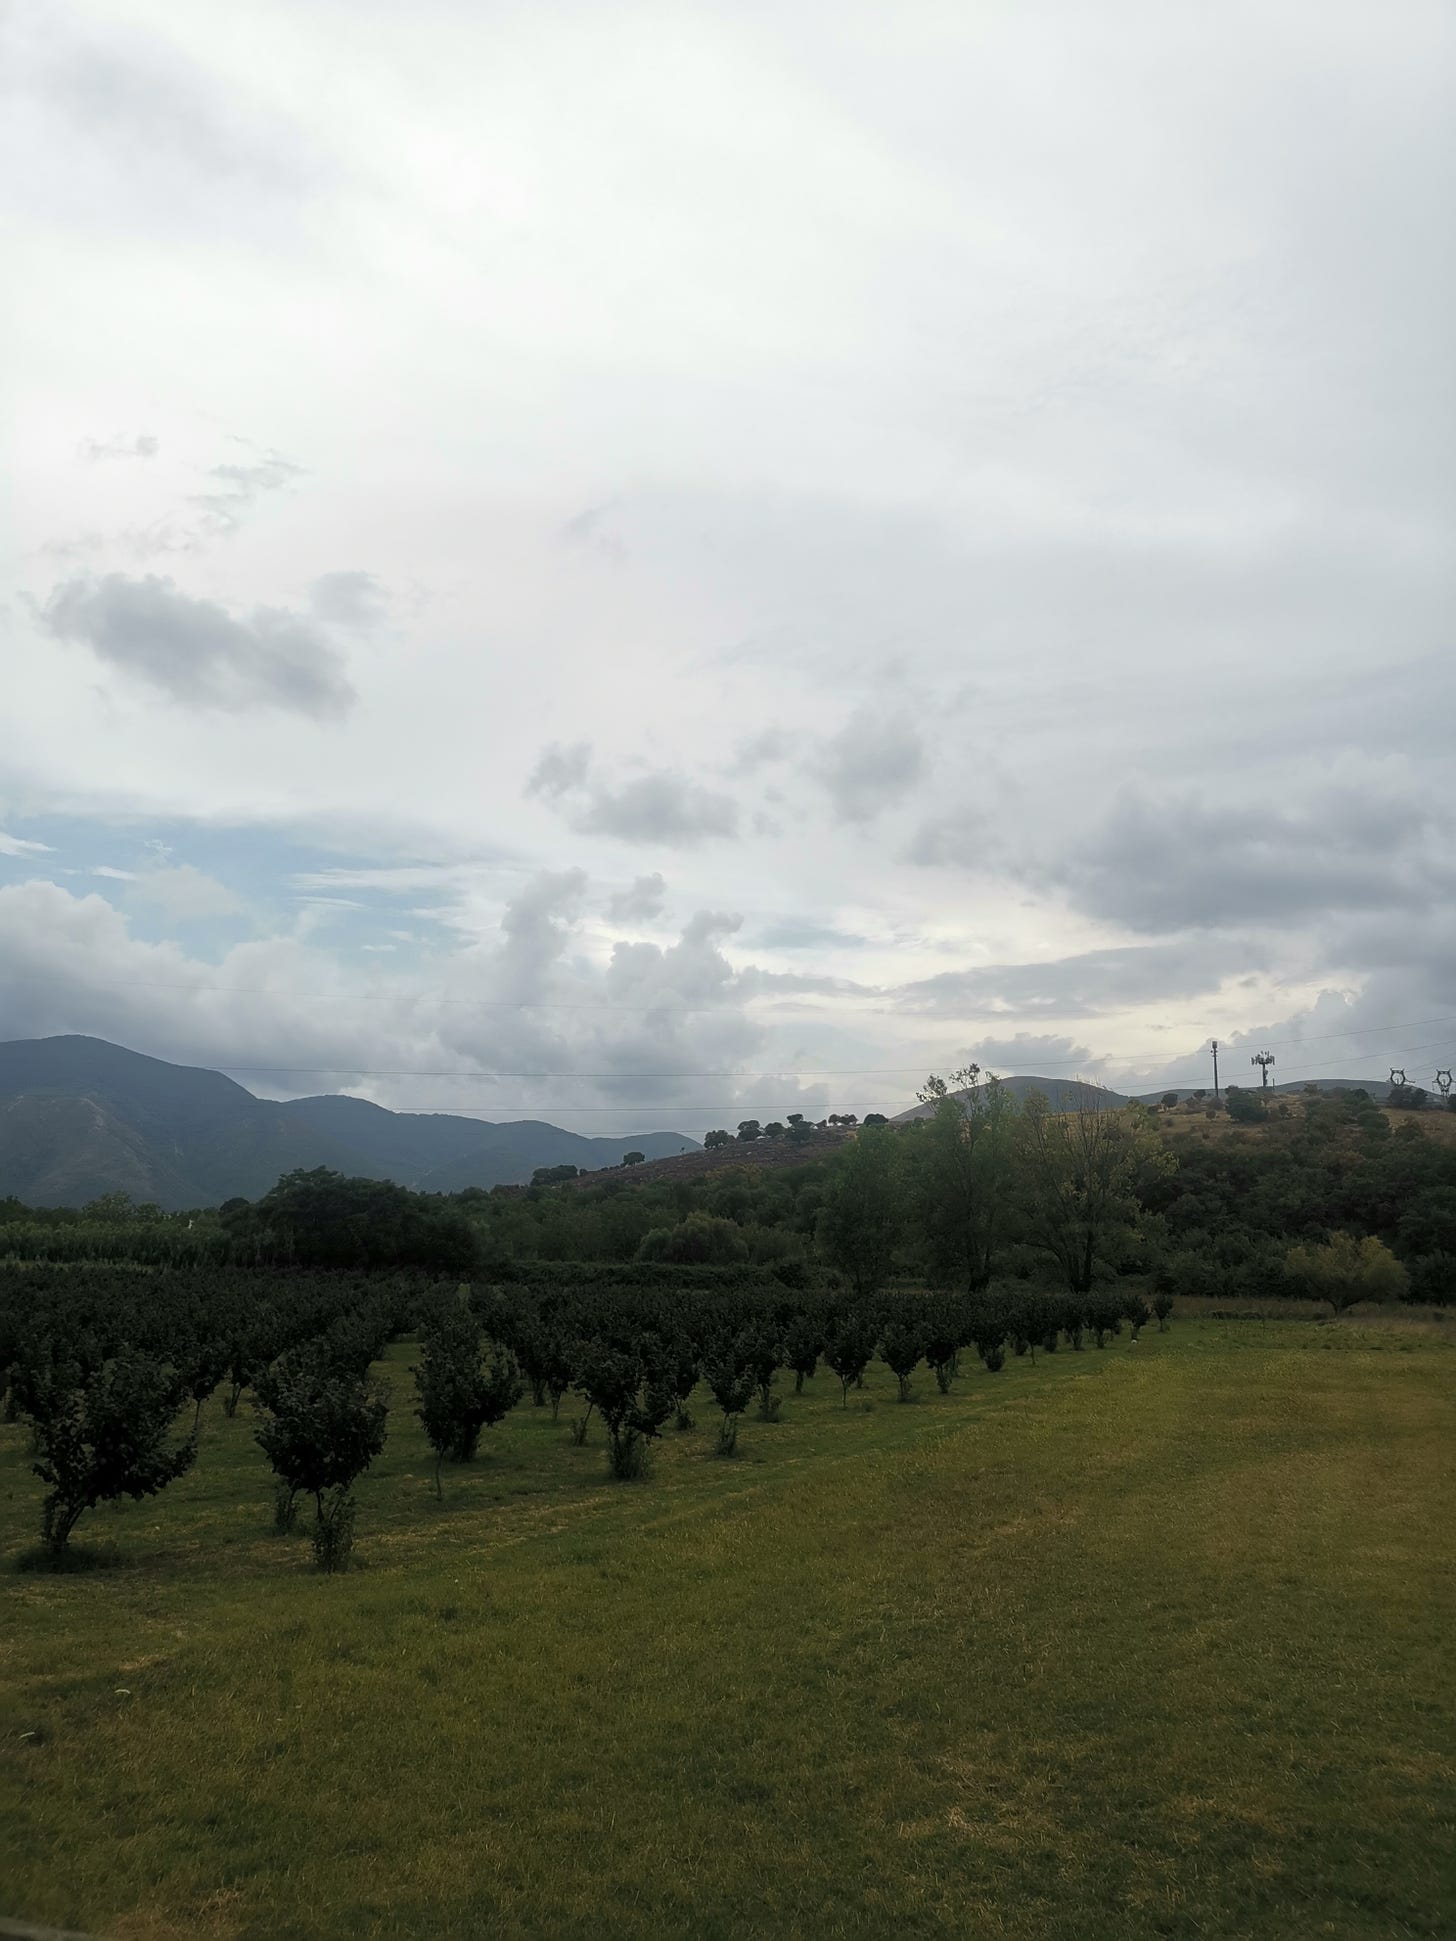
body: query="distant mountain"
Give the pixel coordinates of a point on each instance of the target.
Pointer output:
(1062, 1094)
(80, 1117)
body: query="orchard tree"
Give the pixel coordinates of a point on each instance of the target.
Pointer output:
(102, 1429)
(731, 1381)
(849, 1352)
(464, 1385)
(803, 1345)
(633, 1396)
(323, 1427)
(901, 1348)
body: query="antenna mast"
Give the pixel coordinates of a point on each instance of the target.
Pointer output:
(1263, 1059)
(1215, 1069)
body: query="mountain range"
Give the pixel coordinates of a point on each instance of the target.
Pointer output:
(80, 1117)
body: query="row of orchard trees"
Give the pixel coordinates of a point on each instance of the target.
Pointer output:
(111, 1369)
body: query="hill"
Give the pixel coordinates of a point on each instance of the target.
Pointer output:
(1062, 1094)
(80, 1117)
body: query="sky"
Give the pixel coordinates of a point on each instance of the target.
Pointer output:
(645, 565)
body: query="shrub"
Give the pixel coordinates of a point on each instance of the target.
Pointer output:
(1348, 1270)
(848, 1351)
(732, 1381)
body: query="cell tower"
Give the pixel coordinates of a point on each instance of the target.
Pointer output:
(1443, 1084)
(1215, 1068)
(1397, 1076)
(1263, 1059)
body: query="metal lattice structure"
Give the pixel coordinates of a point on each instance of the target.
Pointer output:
(1263, 1059)
(1397, 1075)
(1443, 1082)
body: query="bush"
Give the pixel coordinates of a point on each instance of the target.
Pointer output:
(701, 1240)
(1348, 1270)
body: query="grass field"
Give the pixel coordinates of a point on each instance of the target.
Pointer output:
(1151, 1642)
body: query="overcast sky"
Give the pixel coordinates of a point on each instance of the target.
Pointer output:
(566, 560)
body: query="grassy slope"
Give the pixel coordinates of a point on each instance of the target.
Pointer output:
(1152, 1642)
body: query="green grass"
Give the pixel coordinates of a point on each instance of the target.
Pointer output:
(1153, 1642)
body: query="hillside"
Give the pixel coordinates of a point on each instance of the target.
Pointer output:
(1062, 1094)
(80, 1117)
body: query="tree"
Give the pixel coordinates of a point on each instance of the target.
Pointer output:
(102, 1430)
(731, 1382)
(324, 1426)
(775, 1129)
(1244, 1108)
(1348, 1270)
(718, 1137)
(963, 1161)
(1168, 1101)
(458, 1394)
(749, 1129)
(702, 1239)
(875, 1119)
(554, 1175)
(800, 1131)
(803, 1345)
(901, 1347)
(633, 1158)
(633, 1397)
(849, 1351)
(859, 1222)
(1084, 1169)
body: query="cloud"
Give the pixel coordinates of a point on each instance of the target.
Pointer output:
(20, 846)
(871, 764)
(1181, 861)
(658, 807)
(960, 839)
(640, 902)
(241, 486)
(185, 894)
(198, 653)
(1031, 1053)
(349, 599)
(114, 875)
(144, 444)
(1087, 984)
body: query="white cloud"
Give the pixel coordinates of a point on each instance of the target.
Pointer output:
(19, 846)
(186, 894)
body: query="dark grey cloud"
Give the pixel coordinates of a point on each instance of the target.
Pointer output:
(349, 599)
(1082, 986)
(1172, 862)
(196, 651)
(640, 902)
(959, 839)
(657, 807)
(871, 764)
(144, 444)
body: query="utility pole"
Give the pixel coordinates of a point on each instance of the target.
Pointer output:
(1397, 1075)
(1215, 1070)
(1263, 1059)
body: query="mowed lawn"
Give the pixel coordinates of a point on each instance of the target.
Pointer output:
(1153, 1641)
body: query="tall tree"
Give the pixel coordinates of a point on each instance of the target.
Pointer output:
(862, 1214)
(963, 1165)
(1083, 1171)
